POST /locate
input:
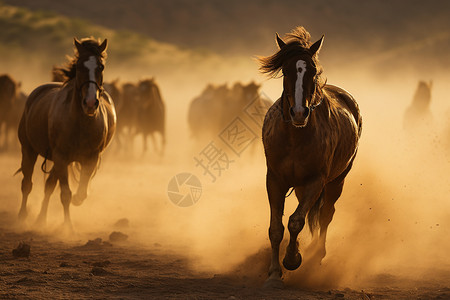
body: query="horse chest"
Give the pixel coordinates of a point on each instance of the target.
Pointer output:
(297, 159)
(78, 140)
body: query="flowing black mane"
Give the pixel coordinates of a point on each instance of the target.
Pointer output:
(90, 47)
(297, 42)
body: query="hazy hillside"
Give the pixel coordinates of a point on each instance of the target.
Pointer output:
(31, 42)
(376, 36)
(238, 25)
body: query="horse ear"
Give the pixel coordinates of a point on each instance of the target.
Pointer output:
(77, 44)
(315, 48)
(280, 42)
(104, 45)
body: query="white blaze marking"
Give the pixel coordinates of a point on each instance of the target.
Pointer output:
(91, 65)
(301, 69)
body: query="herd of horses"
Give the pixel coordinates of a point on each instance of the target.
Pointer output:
(210, 112)
(140, 108)
(310, 134)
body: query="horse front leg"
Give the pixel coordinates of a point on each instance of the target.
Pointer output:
(87, 169)
(332, 193)
(27, 166)
(307, 196)
(276, 192)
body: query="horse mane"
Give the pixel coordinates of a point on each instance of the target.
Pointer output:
(91, 46)
(297, 41)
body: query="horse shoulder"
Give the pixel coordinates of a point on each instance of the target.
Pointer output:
(347, 102)
(269, 131)
(41, 92)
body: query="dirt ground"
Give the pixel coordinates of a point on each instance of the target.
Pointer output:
(155, 263)
(78, 270)
(388, 238)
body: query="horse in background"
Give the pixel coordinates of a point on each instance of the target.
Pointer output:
(418, 115)
(205, 117)
(9, 100)
(151, 114)
(67, 122)
(310, 137)
(217, 106)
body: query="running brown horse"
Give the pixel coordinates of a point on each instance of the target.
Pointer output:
(68, 122)
(310, 138)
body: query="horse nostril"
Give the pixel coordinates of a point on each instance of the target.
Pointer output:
(291, 112)
(306, 113)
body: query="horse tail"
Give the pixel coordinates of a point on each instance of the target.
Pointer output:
(314, 214)
(74, 169)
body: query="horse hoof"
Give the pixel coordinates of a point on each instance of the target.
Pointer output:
(77, 200)
(22, 216)
(292, 262)
(41, 221)
(273, 283)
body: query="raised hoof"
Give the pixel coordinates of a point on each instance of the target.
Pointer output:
(77, 200)
(273, 283)
(67, 229)
(292, 262)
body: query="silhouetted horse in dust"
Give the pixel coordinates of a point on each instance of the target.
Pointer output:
(151, 114)
(68, 122)
(418, 115)
(310, 138)
(8, 98)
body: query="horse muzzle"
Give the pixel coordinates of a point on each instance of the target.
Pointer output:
(90, 106)
(299, 118)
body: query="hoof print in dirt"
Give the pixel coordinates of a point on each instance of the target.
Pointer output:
(23, 250)
(98, 271)
(117, 237)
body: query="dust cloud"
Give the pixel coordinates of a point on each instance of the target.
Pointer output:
(392, 219)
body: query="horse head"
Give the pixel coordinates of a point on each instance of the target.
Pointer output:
(297, 60)
(299, 82)
(89, 73)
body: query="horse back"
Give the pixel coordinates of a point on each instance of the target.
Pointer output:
(33, 127)
(42, 92)
(347, 101)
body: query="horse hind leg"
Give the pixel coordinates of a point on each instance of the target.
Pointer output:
(87, 170)
(29, 157)
(332, 193)
(50, 185)
(307, 197)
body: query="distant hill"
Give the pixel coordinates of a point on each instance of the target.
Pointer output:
(373, 34)
(31, 42)
(210, 39)
(236, 26)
